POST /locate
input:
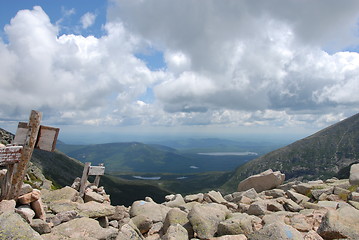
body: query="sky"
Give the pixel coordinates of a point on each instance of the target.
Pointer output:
(130, 68)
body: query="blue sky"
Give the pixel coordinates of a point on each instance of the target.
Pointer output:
(170, 68)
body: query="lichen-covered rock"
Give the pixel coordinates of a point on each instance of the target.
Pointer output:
(354, 174)
(66, 193)
(13, 226)
(81, 228)
(176, 201)
(238, 223)
(128, 233)
(205, 219)
(155, 212)
(7, 206)
(40, 226)
(275, 231)
(176, 232)
(94, 210)
(340, 223)
(263, 181)
(93, 196)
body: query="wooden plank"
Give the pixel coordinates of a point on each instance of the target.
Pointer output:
(84, 178)
(46, 140)
(21, 133)
(21, 167)
(10, 155)
(96, 170)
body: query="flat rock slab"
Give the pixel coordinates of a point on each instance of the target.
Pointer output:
(263, 181)
(94, 210)
(13, 226)
(66, 193)
(81, 228)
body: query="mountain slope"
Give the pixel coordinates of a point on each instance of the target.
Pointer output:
(320, 155)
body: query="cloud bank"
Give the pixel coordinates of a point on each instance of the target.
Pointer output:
(232, 63)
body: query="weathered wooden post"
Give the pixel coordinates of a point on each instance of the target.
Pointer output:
(89, 170)
(28, 136)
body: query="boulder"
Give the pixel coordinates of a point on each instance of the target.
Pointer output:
(40, 226)
(66, 193)
(81, 228)
(297, 197)
(237, 223)
(205, 219)
(142, 222)
(175, 216)
(95, 210)
(230, 237)
(63, 205)
(26, 212)
(275, 231)
(92, 196)
(176, 201)
(354, 174)
(128, 233)
(194, 198)
(7, 206)
(13, 226)
(275, 193)
(216, 197)
(121, 212)
(340, 223)
(176, 232)
(263, 181)
(63, 217)
(155, 212)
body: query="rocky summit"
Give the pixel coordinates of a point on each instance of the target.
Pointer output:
(314, 210)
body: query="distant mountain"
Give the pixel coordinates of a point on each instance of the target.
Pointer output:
(324, 154)
(151, 158)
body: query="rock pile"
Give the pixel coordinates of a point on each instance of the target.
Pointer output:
(295, 210)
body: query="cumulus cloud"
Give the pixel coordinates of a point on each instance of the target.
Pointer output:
(77, 77)
(231, 63)
(251, 55)
(87, 20)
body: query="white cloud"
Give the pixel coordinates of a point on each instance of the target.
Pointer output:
(232, 63)
(88, 19)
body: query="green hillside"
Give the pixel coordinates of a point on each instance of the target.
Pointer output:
(321, 155)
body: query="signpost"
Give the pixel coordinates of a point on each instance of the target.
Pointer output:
(28, 136)
(89, 170)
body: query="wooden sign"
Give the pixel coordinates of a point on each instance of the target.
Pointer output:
(46, 139)
(96, 170)
(10, 155)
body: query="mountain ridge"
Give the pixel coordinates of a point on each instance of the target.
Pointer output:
(321, 155)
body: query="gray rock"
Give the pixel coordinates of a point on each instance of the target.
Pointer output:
(95, 210)
(121, 212)
(25, 188)
(237, 223)
(176, 201)
(216, 197)
(340, 191)
(81, 228)
(258, 208)
(297, 197)
(292, 206)
(7, 206)
(128, 233)
(205, 219)
(317, 192)
(40, 226)
(76, 184)
(176, 232)
(92, 196)
(303, 188)
(263, 181)
(13, 226)
(340, 223)
(275, 231)
(26, 212)
(63, 205)
(113, 223)
(275, 193)
(354, 174)
(143, 223)
(176, 216)
(250, 193)
(155, 212)
(328, 204)
(103, 221)
(194, 198)
(62, 217)
(354, 196)
(66, 193)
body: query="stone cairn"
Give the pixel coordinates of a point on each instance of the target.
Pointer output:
(264, 207)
